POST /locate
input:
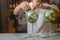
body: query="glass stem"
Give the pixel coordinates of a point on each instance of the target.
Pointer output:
(32, 27)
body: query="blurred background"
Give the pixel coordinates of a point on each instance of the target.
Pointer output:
(7, 7)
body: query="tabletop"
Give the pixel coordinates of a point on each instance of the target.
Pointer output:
(9, 36)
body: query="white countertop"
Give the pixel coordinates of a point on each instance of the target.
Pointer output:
(18, 37)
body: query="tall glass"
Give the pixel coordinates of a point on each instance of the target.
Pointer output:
(32, 17)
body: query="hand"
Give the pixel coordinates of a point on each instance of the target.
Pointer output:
(34, 6)
(46, 6)
(25, 6)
